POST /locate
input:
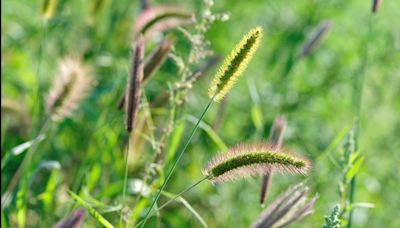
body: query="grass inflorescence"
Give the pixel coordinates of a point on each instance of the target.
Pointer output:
(234, 65)
(253, 159)
(134, 85)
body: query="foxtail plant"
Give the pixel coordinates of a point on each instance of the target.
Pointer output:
(247, 160)
(156, 59)
(275, 141)
(252, 159)
(70, 87)
(235, 64)
(232, 68)
(160, 18)
(132, 99)
(291, 206)
(134, 83)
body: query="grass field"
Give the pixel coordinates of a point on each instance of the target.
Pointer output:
(330, 69)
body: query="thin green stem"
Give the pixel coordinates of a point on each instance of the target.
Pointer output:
(182, 192)
(178, 196)
(358, 90)
(176, 162)
(125, 180)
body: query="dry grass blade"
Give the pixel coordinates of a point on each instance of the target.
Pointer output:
(134, 85)
(161, 18)
(70, 87)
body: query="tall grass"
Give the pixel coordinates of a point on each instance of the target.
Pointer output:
(71, 158)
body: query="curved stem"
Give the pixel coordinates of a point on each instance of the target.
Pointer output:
(125, 179)
(177, 196)
(182, 192)
(176, 162)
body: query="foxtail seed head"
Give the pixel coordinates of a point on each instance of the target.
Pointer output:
(70, 86)
(251, 160)
(134, 85)
(288, 208)
(235, 64)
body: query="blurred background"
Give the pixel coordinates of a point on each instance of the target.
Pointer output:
(314, 93)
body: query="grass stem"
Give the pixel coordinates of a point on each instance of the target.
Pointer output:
(177, 161)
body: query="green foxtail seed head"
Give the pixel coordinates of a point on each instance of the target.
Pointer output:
(253, 159)
(235, 64)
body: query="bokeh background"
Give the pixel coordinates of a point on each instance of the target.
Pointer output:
(315, 95)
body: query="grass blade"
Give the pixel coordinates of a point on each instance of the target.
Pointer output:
(91, 210)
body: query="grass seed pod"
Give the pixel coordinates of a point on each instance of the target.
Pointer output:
(234, 64)
(253, 159)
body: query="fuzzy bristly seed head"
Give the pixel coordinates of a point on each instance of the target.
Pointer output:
(134, 85)
(253, 159)
(156, 59)
(160, 18)
(288, 208)
(70, 86)
(235, 64)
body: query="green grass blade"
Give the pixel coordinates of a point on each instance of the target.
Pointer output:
(91, 210)
(210, 132)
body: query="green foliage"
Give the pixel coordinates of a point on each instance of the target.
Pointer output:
(333, 220)
(314, 93)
